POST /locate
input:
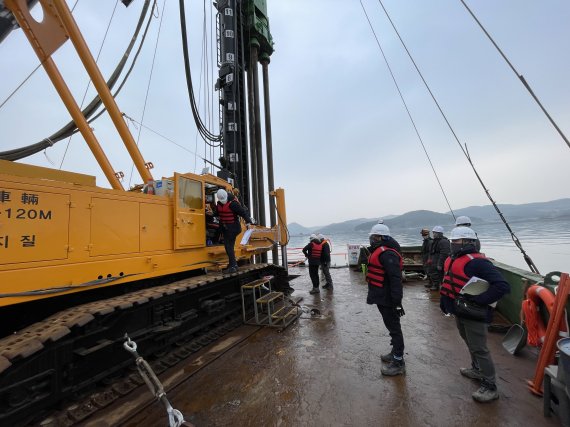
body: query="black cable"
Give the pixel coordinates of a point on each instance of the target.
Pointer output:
(206, 134)
(527, 258)
(408, 111)
(519, 76)
(70, 128)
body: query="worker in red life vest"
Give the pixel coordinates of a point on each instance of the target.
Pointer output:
(326, 264)
(229, 211)
(464, 263)
(384, 279)
(316, 251)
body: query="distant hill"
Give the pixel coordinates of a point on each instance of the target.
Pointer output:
(418, 219)
(344, 226)
(423, 218)
(553, 209)
(296, 229)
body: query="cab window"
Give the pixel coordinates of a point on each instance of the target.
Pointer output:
(189, 193)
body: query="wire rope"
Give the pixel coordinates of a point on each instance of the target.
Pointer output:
(89, 82)
(407, 109)
(70, 128)
(149, 82)
(167, 139)
(515, 239)
(29, 75)
(519, 76)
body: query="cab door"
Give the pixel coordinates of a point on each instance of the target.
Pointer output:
(189, 216)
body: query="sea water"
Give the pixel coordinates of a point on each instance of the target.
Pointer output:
(547, 242)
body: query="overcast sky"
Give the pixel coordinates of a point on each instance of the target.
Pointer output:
(344, 146)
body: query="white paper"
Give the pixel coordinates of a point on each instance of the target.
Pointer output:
(246, 236)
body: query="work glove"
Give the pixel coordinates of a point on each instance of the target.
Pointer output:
(399, 310)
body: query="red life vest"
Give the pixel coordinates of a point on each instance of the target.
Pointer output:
(316, 250)
(375, 274)
(227, 216)
(455, 277)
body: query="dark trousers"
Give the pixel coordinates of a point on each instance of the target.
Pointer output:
(229, 242)
(392, 322)
(325, 268)
(436, 277)
(314, 274)
(475, 336)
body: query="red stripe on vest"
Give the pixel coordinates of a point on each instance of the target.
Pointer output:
(227, 216)
(455, 278)
(376, 273)
(316, 250)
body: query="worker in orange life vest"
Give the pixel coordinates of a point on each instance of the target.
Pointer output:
(229, 211)
(326, 263)
(316, 251)
(464, 263)
(384, 279)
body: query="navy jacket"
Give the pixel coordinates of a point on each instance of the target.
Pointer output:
(484, 269)
(391, 294)
(325, 254)
(238, 210)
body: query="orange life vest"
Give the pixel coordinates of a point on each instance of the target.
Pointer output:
(316, 250)
(227, 216)
(455, 278)
(376, 273)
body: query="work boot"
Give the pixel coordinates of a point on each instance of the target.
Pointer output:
(387, 357)
(472, 373)
(230, 270)
(314, 291)
(486, 393)
(328, 286)
(394, 367)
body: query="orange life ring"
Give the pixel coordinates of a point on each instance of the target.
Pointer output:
(534, 323)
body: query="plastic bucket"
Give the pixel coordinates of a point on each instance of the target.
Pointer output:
(564, 362)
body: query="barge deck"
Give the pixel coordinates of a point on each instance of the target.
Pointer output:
(324, 370)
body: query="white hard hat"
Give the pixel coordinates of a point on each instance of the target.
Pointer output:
(463, 220)
(437, 229)
(463, 233)
(222, 195)
(313, 237)
(320, 236)
(380, 230)
(380, 221)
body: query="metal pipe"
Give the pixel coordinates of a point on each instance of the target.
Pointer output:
(101, 86)
(44, 39)
(258, 146)
(269, 148)
(81, 122)
(252, 147)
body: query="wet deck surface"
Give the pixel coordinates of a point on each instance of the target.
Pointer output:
(325, 371)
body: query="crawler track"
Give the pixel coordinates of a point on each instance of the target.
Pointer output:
(72, 352)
